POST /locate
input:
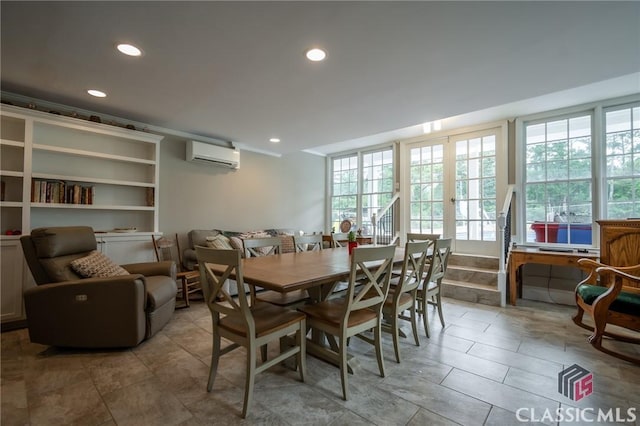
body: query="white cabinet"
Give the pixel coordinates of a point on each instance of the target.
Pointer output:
(63, 171)
(11, 273)
(127, 248)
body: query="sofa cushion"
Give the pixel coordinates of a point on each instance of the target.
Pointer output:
(198, 237)
(58, 269)
(97, 264)
(219, 242)
(60, 241)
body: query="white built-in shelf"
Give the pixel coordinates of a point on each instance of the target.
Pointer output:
(9, 142)
(11, 173)
(90, 206)
(92, 154)
(10, 204)
(48, 176)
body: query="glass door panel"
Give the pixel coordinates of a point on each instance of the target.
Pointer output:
(455, 186)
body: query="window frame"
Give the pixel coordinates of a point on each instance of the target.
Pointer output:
(598, 161)
(360, 182)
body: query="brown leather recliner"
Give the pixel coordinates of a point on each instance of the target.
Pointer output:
(70, 311)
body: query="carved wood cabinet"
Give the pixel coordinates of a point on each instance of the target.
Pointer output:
(620, 242)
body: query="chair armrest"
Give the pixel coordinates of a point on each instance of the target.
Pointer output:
(149, 269)
(92, 312)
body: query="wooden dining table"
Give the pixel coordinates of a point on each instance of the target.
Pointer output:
(314, 271)
(318, 272)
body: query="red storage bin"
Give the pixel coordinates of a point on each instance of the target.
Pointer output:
(551, 235)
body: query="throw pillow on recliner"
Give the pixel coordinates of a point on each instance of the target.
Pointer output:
(97, 264)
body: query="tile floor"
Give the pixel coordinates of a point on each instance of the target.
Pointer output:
(487, 364)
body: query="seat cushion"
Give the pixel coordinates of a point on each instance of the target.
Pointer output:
(625, 303)
(160, 289)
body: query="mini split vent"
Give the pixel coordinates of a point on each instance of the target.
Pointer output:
(213, 154)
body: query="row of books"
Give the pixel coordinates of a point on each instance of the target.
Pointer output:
(46, 191)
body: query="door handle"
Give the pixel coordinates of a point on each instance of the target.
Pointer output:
(453, 200)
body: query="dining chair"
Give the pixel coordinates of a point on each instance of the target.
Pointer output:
(309, 242)
(359, 311)
(167, 249)
(416, 236)
(339, 239)
(257, 247)
(403, 293)
(430, 289)
(245, 324)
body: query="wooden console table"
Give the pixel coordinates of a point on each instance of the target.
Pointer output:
(520, 256)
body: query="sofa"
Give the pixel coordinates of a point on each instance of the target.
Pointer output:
(233, 239)
(83, 300)
(207, 237)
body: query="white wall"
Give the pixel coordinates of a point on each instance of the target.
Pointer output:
(266, 192)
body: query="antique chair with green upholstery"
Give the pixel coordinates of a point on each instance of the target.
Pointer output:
(117, 307)
(614, 299)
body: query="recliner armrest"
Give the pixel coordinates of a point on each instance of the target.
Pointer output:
(167, 268)
(91, 313)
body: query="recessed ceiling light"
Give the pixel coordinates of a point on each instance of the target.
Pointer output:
(129, 49)
(274, 140)
(316, 54)
(97, 93)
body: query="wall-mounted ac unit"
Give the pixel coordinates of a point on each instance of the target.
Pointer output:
(213, 154)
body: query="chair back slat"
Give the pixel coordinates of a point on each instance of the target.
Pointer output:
(439, 260)
(218, 299)
(415, 257)
(271, 245)
(369, 278)
(308, 242)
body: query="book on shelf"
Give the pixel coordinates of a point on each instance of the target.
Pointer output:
(45, 191)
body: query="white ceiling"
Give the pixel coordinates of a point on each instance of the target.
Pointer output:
(236, 71)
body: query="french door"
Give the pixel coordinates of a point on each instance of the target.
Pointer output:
(455, 187)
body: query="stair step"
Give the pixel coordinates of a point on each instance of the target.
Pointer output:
(474, 261)
(471, 292)
(472, 275)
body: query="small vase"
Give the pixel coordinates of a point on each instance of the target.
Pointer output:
(352, 245)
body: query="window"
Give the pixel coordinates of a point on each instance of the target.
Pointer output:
(344, 191)
(622, 158)
(427, 189)
(362, 184)
(558, 180)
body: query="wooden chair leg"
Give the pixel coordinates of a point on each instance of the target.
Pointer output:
(414, 323)
(378, 344)
(439, 304)
(396, 337)
(250, 381)
(343, 368)
(425, 319)
(301, 338)
(263, 352)
(215, 356)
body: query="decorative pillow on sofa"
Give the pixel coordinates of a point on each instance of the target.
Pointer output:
(219, 242)
(97, 264)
